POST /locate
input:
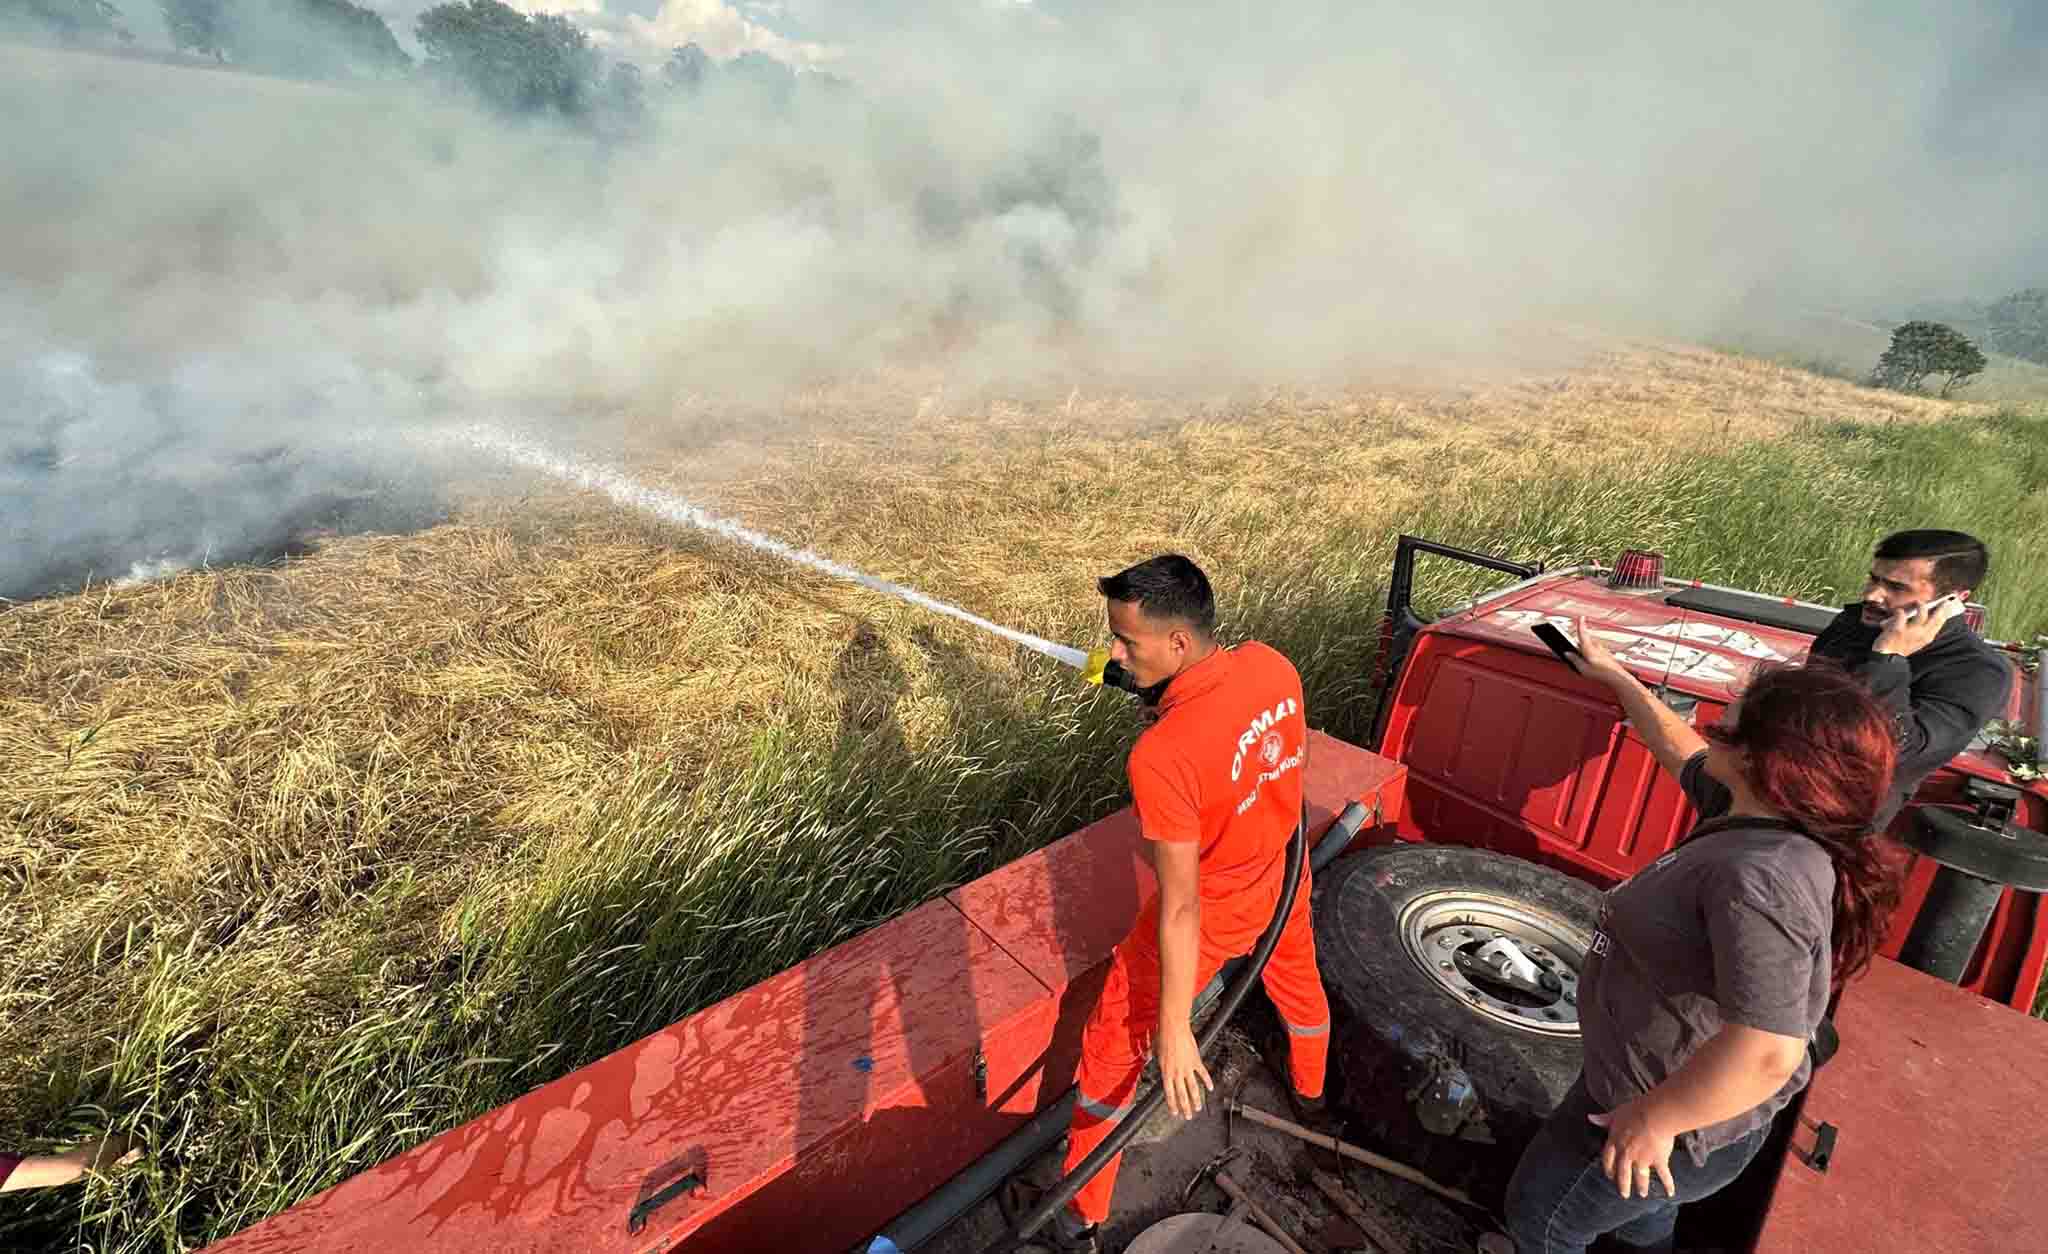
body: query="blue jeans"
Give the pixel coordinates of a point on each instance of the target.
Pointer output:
(1560, 1200)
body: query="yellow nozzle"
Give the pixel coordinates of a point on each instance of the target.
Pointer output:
(1098, 661)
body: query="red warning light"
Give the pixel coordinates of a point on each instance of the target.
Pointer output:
(1638, 568)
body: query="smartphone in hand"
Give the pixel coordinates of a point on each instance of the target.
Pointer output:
(1559, 643)
(1926, 608)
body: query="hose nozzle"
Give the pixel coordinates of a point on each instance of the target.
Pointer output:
(1103, 671)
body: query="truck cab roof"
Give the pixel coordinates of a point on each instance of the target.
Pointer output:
(1699, 639)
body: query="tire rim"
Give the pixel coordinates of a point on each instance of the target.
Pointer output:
(1440, 929)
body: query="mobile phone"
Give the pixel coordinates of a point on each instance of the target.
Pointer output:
(1559, 643)
(1921, 611)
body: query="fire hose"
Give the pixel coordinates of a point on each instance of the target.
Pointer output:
(1073, 1182)
(914, 1227)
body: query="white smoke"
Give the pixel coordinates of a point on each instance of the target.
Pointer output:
(125, 480)
(1019, 195)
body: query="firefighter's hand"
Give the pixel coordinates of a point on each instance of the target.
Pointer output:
(1636, 1152)
(111, 1151)
(1181, 1070)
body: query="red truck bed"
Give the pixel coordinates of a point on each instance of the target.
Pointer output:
(1508, 750)
(1937, 1098)
(816, 1105)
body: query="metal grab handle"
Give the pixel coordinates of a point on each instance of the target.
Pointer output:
(690, 1181)
(1823, 1151)
(1680, 703)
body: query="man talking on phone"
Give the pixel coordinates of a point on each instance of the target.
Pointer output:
(1907, 640)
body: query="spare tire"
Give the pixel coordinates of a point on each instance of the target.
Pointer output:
(2004, 854)
(1446, 965)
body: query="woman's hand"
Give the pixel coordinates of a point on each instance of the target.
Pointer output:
(1637, 1150)
(1181, 1070)
(1595, 661)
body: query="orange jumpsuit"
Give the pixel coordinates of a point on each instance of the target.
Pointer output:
(1221, 767)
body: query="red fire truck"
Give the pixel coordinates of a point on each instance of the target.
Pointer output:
(866, 1097)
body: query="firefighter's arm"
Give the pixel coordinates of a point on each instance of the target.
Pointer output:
(1180, 924)
(1165, 793)
(42, 1171)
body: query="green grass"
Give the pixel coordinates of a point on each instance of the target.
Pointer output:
(1798, 516)
(688, 886)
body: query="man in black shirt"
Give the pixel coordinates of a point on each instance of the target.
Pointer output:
(1940, 680)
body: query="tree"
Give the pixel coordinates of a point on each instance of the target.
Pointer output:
(625, 93)
(1921, 349)
(686, 68)
(578, 64)
(763, 73)
(513, 62)
(69, 19)
(306, 38)
(2018, 324)
(358, 39)
(313, 39)
(198, 26)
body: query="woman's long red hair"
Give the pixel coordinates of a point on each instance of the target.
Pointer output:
(1821, 752)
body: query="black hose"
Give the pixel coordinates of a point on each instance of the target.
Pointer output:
(1072, 1183)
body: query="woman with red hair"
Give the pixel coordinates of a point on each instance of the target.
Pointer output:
(1713, 966)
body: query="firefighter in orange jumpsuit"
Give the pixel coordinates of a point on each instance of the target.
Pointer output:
(1217, 784)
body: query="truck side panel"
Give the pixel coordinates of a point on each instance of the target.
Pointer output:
(804, 1113)
(1509, 751)
(1932, 1102)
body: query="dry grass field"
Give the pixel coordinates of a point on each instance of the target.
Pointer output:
(305, 863)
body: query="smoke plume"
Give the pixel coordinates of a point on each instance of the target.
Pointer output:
(209, 275)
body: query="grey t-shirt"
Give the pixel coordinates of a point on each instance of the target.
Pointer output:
(1732, 927)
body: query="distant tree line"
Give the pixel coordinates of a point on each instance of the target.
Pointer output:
(1941, 341)
(328, 39)
(2015, 324)
(521, 64)
(514, 63)
(71, 20)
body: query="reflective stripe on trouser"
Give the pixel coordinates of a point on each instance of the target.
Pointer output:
(1117, 1040)
(1295, 988)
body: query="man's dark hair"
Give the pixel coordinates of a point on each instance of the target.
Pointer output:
(1167, 586)
(1960, 559)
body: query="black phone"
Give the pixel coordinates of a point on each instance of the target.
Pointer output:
(1559, 643)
